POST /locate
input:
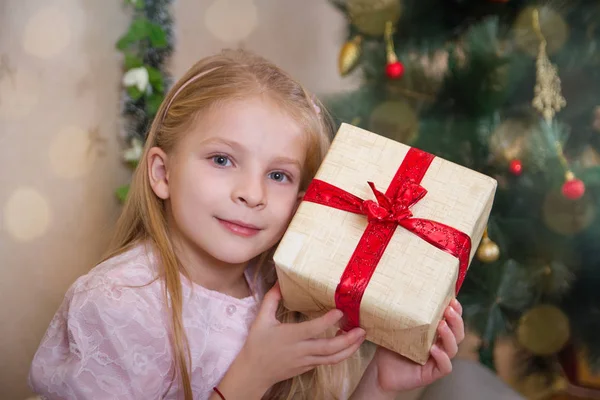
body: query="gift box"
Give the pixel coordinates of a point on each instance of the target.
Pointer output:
(385, 233)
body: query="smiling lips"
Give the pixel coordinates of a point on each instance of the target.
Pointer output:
(240, 228)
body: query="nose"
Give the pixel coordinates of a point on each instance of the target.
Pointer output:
(250, 190)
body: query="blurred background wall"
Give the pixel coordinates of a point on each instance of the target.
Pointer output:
(60, 152)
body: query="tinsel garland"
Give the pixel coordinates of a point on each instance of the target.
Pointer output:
(146, 46)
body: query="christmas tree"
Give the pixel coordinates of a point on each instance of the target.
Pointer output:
(508, 88)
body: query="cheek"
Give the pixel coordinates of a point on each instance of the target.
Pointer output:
(284, 205)
(194, 188)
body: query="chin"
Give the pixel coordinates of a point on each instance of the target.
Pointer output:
(236, 257)
(236, 253)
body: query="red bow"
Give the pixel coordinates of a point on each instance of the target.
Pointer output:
(393, 210)
(390, 210)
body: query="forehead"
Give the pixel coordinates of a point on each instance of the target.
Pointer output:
(256, 123)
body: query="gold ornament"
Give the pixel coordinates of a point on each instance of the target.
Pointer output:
(543, 330)
(349, 55)
(548, 99)
(488, 251)
(565, 216)
(396, 120)
(551, 25)
(370, 16)
(509, 141)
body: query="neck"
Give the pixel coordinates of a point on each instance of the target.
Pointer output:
(210, 273)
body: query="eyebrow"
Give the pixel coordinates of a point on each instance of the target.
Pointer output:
(236, 145)
(287, 160)
(229, 143)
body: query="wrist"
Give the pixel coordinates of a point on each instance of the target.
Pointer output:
(241, 381)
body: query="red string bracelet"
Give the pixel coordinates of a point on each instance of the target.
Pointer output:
(219, 393)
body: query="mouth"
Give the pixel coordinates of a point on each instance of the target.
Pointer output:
(239, 227)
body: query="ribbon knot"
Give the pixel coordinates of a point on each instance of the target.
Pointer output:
(386, 209)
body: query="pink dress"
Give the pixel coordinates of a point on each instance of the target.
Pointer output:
(109, 341)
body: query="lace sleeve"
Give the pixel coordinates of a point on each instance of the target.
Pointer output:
(105, 342)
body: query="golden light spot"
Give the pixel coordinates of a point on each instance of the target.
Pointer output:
(26, 214)
(47, 33)
(70, 152)
(231, 21)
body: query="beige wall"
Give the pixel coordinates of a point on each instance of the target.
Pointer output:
(302, 36)
(59, 89)
(60, 157)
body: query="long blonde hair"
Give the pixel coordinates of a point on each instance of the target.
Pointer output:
(225, 76)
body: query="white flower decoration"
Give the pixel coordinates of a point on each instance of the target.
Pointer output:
(134, 153)
(137, 77)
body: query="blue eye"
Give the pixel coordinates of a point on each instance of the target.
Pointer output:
(221, 161)
(278, 176)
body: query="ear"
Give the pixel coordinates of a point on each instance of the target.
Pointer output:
(158, 173)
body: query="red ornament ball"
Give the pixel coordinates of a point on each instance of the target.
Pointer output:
(573, 189)
(394, 70)
(516, 167)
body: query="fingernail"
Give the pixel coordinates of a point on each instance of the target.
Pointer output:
(338, 314)
(443, 326)
(457, 306)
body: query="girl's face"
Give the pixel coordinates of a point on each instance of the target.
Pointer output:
(232, 182)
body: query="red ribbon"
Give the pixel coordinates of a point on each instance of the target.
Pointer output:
(390, 210)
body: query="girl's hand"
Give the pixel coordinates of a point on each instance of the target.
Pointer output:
(274, 351)
(390, 373)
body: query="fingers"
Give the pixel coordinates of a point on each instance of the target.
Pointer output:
(270, 302)
(330, 346)
(314, 328)
(337, 357)
(456, 323)
(443, 365)
(448, 340)
(455, 304)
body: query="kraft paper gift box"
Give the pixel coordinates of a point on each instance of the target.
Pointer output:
(385, 233)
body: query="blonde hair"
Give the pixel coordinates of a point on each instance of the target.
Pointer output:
(229, 75)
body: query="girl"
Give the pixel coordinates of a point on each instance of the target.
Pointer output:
(186, 301)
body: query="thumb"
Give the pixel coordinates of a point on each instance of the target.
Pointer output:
(270, 302)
